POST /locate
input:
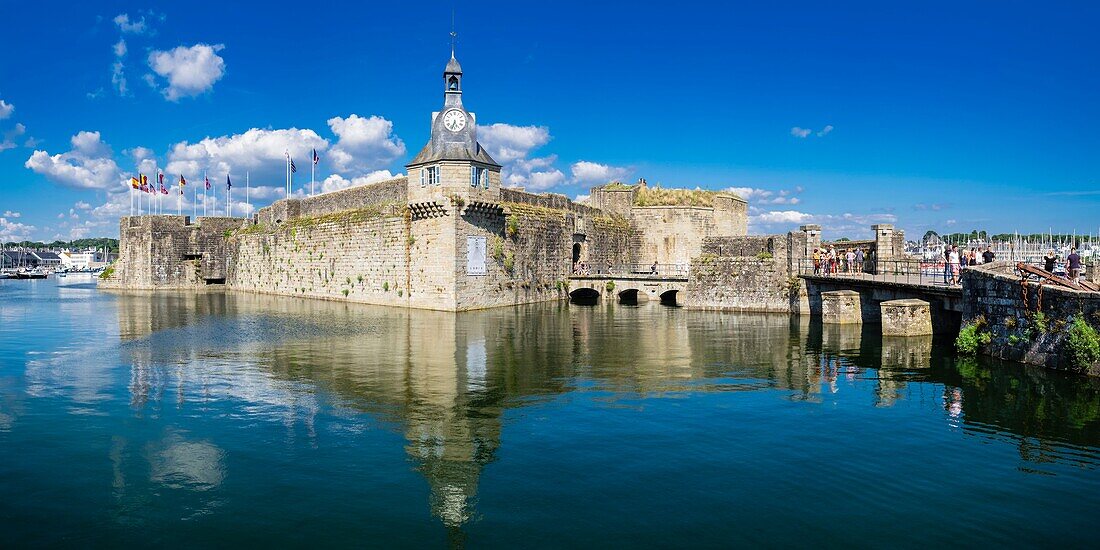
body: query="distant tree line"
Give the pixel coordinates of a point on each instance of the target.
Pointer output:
(100, 243)
(975, 235)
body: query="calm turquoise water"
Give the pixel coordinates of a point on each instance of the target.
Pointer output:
(219, 420)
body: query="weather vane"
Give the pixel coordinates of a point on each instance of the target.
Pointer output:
(454, 35)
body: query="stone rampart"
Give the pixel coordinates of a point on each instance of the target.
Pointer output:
(388, 191)
(170, 252)
(743, 274)
(994, 297)
(358, 255)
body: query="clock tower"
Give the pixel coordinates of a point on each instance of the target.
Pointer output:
(453, 162)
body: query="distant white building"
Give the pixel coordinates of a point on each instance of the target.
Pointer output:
(83, 259)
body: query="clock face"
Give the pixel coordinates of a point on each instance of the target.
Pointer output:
(454, 120)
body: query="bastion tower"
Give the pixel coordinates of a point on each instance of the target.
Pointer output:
(453, 164)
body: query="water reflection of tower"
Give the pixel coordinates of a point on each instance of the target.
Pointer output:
(452, 421)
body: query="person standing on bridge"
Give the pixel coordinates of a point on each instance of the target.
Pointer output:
(860, 258)
(946, 264)
(953, 262)
(849, 261)
(1049, 261)
(988, 256)
(817, 261)
(1073, 266)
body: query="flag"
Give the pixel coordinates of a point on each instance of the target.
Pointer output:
(316, 158)
(144, 183)
(293, 169)
(207, 182)
(182, 181)
(160, 178)
(163, 189)
(135, 183)
(228, 184)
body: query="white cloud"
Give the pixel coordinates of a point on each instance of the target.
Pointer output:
(81, 205)
(87, 166)
(120, 47)
(541, 181)
(589, 173)
(803, 133)
(582, 199)
(118, 79)
(364, 143)
(8, 141)
(510, 146)
(137, 26)
(260, 151)
(6, 109)
(14, 231)
(190, 71)
(507, 143)
(758, 195)
(10, 214)
(337, 182)
(783, 216)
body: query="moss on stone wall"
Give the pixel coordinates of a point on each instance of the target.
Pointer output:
(659, 196)
(532, 211)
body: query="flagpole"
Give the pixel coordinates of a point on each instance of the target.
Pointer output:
(312, 166)
(246, 203)
(204, 191)
(287, 174)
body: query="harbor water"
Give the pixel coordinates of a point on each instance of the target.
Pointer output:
(226, 419)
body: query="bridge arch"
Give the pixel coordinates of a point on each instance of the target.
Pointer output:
(670, 298)
(584, 296)
(632, 297)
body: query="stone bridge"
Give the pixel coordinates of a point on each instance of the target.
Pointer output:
(628, 289)
(945, 301)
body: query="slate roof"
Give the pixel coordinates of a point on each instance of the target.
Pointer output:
(453, 66)
(452, 151)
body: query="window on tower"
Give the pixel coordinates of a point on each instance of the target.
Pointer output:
(429, 176)
(479, 176)
(452, 84)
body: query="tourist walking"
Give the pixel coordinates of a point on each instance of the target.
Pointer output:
(849, 261)
(947, 264)
(1073, 266)
(953, 262)
(860, 258)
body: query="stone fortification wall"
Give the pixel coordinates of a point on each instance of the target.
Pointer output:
(743, 274)
(393, 190)
(673, 234)
(170, 252)
(358, 255)
(548, 200)
(995, 295)
(529, 248)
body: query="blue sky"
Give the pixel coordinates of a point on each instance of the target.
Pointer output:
(947, 116)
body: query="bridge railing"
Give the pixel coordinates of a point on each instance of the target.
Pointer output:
(909, 270)
(630, 270)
